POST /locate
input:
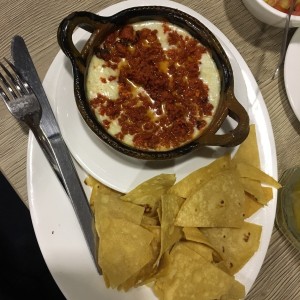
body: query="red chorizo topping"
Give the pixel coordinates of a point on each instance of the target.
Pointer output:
(111, 78)
(161, 99)
(127, 33)
(106, 124)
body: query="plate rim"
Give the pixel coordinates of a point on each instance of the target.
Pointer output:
(294, 40)
(32, 145)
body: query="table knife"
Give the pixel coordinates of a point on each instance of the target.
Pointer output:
(61, 161)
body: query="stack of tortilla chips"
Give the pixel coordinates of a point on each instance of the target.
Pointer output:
(186, 240)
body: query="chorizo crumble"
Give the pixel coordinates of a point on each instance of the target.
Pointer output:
(161, 100)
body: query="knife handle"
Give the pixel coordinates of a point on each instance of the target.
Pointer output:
(61, 162)
(74, 189)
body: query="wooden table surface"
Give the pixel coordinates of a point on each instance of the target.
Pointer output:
(259, 45)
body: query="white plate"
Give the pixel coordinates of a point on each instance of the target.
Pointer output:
(56, 227)
(292, 73)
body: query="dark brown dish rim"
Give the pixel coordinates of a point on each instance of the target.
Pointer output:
(100, 27)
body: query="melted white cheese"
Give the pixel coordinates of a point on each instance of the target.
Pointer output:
(210, 75)
(97, 71)
(95, 85)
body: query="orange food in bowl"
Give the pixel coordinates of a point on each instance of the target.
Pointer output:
(284, 6)
(266, 12)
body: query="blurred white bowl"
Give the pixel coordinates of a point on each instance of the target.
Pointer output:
(269, 15)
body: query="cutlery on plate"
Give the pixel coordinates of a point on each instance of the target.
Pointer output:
(24, 96)
(284, 40)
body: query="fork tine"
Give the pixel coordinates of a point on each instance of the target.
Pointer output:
(7, 86)
(12, 81)
(22, 83)
(3, 95)
(11, 78)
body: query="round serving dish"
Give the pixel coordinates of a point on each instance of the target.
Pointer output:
(100, 27)
(269, 15)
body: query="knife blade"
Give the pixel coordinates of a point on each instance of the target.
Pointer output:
(61, 157)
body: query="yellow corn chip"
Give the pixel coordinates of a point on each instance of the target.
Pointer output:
(192, 276)
(219, 203)
(236, 245)
(248, 171)
(198, 178)
(248, 151)
(149, 192)
(251, 205)
(170, 234)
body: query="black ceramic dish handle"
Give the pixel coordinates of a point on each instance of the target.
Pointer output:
(88, 21)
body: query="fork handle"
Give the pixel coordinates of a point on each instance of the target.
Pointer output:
(45, 145)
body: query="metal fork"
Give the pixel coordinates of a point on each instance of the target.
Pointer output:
(24, 106)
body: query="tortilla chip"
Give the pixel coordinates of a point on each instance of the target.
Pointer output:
(203, 250)
(261, 194)
(151, 221)
(112, 206)
(236, 245)
(98, 189)
(237, 291)
(119, 264)
(161, 270)
(117, 223)
(251, 205)
(144, 275)
(90, 181)
(192, 276)
(170, 234)
(248, 171)
(149, 192)
(221, 265)
(268, 195)
(248, 151)
(198, 178)
(219, 203)
(254, 188)
(193, 234)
